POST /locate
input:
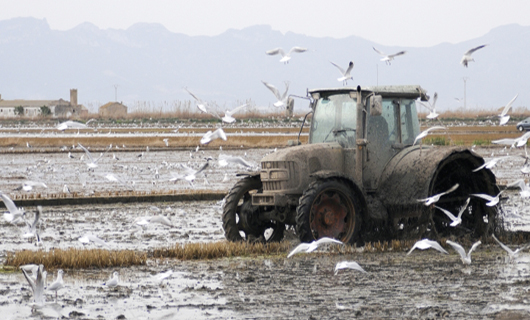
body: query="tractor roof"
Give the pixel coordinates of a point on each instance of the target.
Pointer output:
(407, 91)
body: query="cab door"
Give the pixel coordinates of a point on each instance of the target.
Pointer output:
(387, 134)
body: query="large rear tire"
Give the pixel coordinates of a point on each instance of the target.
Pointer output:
(328, 208)
(241, 219)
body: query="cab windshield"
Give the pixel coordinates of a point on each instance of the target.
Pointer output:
(334, 119)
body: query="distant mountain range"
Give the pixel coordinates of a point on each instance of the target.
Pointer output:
(151, 65)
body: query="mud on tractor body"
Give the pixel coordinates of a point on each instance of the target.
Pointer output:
(360, 176)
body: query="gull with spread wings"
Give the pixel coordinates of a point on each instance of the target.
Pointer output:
(201, 105)
(285, 56)
(312, 246)
(466, 258)
(458, 219)
(189, 174)
(345, 74)
(424, 133)
(467, 55)
(228, 118)
(431, 107)
(282, 98)
(427, 244)
(210, 136)
(15, 215)
(512, 254)
(388, 57)
(91, 162)
(492, 200)
(504, 116)
(433, 199)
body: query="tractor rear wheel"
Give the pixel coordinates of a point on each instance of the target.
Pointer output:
(241, 219)
(328, 208)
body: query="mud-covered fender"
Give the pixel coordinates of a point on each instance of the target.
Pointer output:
(413, 173)
(247, 174)
(330, 174)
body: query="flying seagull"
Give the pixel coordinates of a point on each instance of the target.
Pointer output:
(161, 276)
(285, 57)
(348, 265)
(92, 163)
(515, 142)
(526, 166)
(389, 57)
(201, 105)
(504, 116)
(427, 244)
(282, 98)
(431, 107)
(37, 286)
(71, 125)
(525, 189)
(310, 247)
(15, 214)
(466, 258)
(210, 136)
(228, 118)
(467, 56)
(189, 174)
(32, 227)
(113, 178)
(225, 159)
(33, 268)
(433, 199)
(458, 219)
(346, 74)
(511, 253)
(492, 201)
(424, 133)
(491, 163)
(87, 238)
(144, 221)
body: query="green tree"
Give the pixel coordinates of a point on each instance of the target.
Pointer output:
(45, 111)
(19, 111)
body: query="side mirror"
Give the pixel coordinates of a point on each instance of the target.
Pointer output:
(376, 105)
(289, 108)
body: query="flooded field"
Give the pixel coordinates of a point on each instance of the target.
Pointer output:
(135, 170)
(423, 285)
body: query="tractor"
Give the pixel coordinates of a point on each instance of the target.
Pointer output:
(360, 176)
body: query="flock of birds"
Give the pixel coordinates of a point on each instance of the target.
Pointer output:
(345, 75)
(35, 274)
(185, 174)
(423, 244)
(36, 277)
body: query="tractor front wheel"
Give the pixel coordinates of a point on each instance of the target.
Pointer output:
(328, 208)
(241, 219)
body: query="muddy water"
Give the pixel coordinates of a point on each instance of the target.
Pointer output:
(422, 285)
(139, 171)
(62, 226)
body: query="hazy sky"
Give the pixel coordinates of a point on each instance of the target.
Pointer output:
(389, 22)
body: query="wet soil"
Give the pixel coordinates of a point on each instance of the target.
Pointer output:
(137, 170)
(423, 285)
